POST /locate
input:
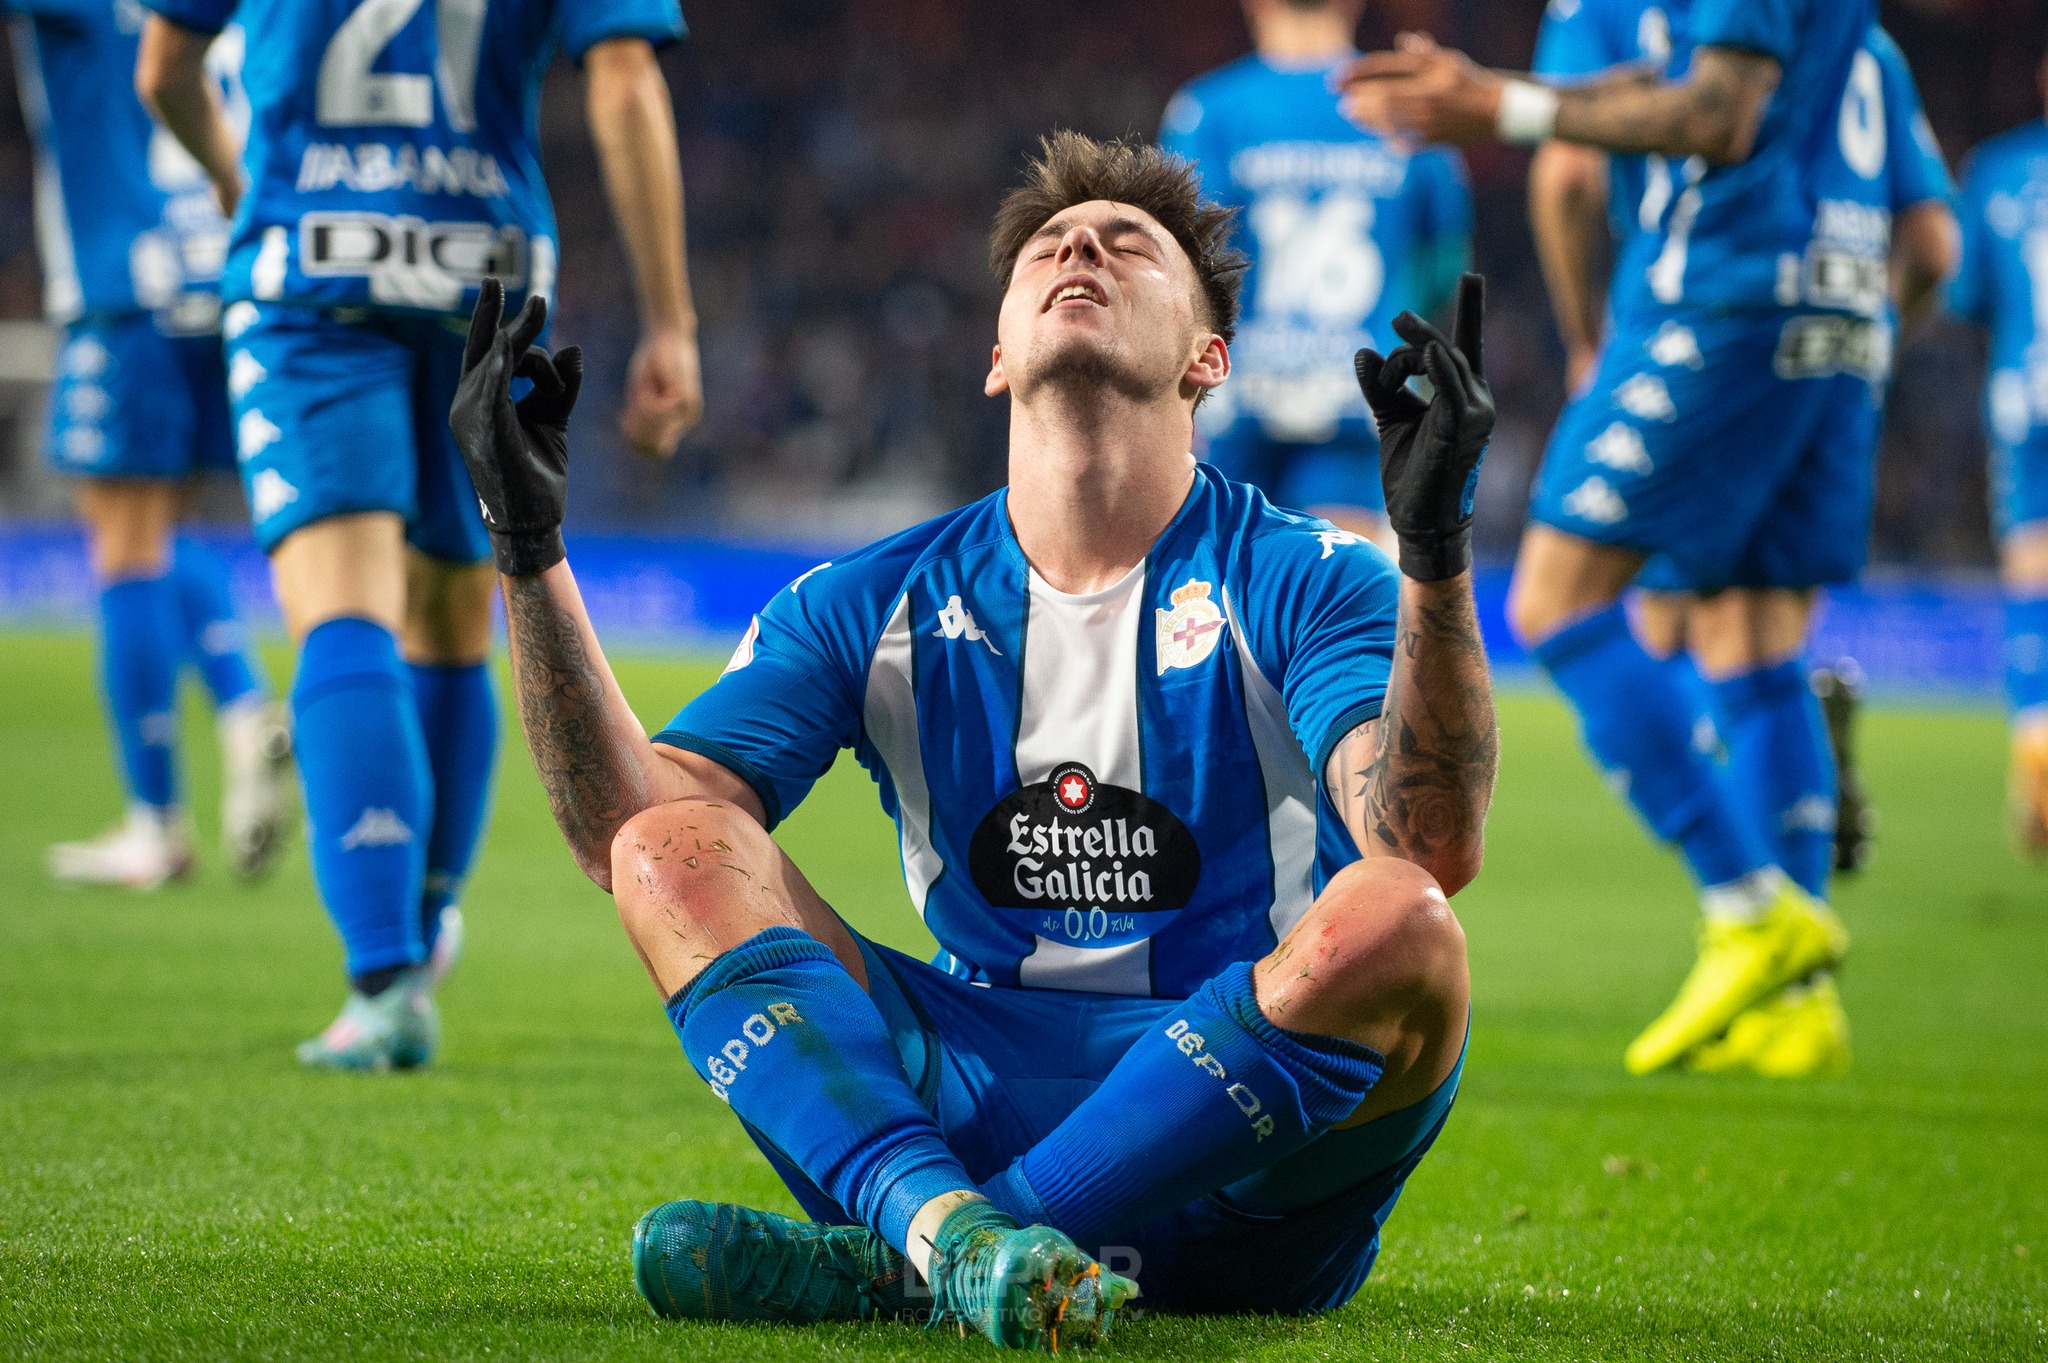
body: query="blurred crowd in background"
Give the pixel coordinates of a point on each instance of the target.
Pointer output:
(842, 159)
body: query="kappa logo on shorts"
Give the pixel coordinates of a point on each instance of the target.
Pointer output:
(1187, 634)
(269, 494)
(1596, 500)
(244, 373)
(1620, 447)
(1646, 396)
(84, 358)
(1675, 345)
(255, 433)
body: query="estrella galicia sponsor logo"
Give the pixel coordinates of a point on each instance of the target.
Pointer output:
(1083, 862)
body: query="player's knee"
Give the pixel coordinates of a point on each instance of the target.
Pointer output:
(1532, 614)
(1394, 929)
(676, 858)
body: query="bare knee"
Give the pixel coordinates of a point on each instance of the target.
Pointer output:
(678, 860)
(1380, 945)
(447, 610)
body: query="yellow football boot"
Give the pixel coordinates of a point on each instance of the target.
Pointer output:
(2029, 791)
(1740, 964)
(1800, 1032)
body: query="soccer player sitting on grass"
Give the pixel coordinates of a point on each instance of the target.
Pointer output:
(1181, 780)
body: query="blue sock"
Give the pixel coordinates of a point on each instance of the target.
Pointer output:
(1212, 1094)
(782, 1033)
(1783, 764)
(369, 792)
(2026, 655)
(459, 717)
(216, 640)
(1651, 733)
(141, 648)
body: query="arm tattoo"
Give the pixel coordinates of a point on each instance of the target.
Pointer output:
(1712, 113)
(1416, 782)
(593, 785)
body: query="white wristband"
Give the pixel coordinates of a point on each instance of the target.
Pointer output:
(1528, 112)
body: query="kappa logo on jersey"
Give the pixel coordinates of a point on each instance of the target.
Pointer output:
(1334, 539)
(957, 622)
(744, 654)
(1088, 863)
(1187, 634)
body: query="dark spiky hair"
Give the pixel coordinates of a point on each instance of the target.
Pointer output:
(1072, 169)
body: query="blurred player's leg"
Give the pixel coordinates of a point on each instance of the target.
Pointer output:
(257, 796)
(141, 651)
(2025, 556)
(1360, 1011)
(765, 990)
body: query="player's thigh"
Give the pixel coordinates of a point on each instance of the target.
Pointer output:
(2023, 556)
(1743, 628)
(447, 610)
(349, 566)
(1560, 577)
(1683, 438)
(323, 417)
(128, 523)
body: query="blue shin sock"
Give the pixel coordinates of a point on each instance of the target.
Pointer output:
(1783, 764)
(369, 793)
(217, 641)
(459, 717)
(782, 1033)
(141, 648)
(1652, 735)
(2026, 655)
(1211, 1094)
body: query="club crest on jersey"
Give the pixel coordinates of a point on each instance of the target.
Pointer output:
(1187, 634)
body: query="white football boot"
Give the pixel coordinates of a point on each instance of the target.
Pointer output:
(259, 793)
(447, 945)
(397, 1030)
(147, 848)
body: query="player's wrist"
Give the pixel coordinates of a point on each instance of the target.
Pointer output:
(527, 553)
(1527, 113)
(1434, 555)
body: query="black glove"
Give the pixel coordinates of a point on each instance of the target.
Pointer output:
(518, 456)
(1430, 452)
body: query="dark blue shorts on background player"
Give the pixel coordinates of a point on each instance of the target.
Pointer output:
(130, 401)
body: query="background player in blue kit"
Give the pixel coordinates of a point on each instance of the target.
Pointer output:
(131, 244)
(1345, 230)
(2003, 285)
(1884, 230)
(1180, 779)
(391, 164)
(1731, 398)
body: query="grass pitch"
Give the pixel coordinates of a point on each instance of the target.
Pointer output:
(171, 1186)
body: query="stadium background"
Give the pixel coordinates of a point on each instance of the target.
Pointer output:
(842, 160)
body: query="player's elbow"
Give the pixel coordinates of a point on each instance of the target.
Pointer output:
(624, 82)
(1456, 864)
(164, 63)
(1928, 246)
(1719, 137)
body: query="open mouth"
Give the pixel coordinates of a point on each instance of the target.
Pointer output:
(1076, 290)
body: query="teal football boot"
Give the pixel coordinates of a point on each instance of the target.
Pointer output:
(1024, 1287)
(716, 1261)
(397, 1030)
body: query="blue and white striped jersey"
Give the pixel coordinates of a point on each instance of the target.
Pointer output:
(1115, 792)
(125, 220)
(394, 147)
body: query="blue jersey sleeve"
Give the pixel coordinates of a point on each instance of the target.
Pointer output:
(1187, 130)
(586, 23)
(1320, 611)
(201, 16)
(1918, 171)
(787, 703)
(1574, 42)
(1969, 289)
(1772, 27)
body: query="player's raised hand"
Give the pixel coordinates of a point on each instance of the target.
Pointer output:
(1430, 451)
(1421, 92)
(517, 453)
(664, 392)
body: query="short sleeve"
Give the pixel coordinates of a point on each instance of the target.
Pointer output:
(1772, 27)
(780, 712)
(1320, 609)
(1969, 289)
(586, 23)
(1919, 172)
(201, 16)
(1574, 42)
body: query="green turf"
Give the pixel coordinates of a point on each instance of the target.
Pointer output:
(172, 1187)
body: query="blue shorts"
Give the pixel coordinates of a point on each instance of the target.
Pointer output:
(1340, 472)
(1000, 1068)
(2019, 483)
(132, 402)
(347, 411)
(1741, 446)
